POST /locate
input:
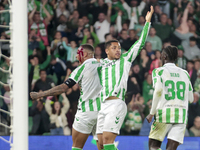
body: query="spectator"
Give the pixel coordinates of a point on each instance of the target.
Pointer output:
(57, 114)
(137, 9)
(195, 129)
(154, 40)
(197, 65)
(107, 37)
(156, 15)
(56, 43)
(192, 72)
(95, 10)
(97, 53)
(124, 40)
(34, 42)
(40, 118)
(5, 17)
(194, 110)
(44, 83)
(163, 27)
(61, 10)
(62, 24)
(140, 25)
(165, 6)
(102, 25)
(117, 6)
(77, 34)
(156, 62)
(40, 26)
(133, 119)
(71, 50)
(148, 47)
(181, 60)
(44, 6)
(73, 21)
(90, 34)
(39, 65)
(57, 68)
(191, 50)
(147, 88)
(132, 38)
(144, 61)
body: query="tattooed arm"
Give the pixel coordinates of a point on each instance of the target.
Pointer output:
(57, 90)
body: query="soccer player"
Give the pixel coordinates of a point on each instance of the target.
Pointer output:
(172, 91)
(114, 72)
(89, 102)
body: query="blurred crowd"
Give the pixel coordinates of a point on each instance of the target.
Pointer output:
(56, 28)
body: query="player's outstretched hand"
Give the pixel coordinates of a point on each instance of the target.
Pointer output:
(149, 14)
(34, 95)
(149, 118)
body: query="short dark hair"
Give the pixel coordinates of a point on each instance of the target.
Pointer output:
(192, 38)
(107, 34)
(53, 57)
(172, 52)
(42, 70)
(107, 44)
(88, 47)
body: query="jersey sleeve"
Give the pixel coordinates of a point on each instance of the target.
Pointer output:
(190, 94)
(157, 84)
(137, 46)
(77, 74)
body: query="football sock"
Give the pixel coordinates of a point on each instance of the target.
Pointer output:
(109, 147)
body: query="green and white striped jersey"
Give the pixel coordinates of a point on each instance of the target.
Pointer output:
(172, 91)
(87, 77)
(114, 73)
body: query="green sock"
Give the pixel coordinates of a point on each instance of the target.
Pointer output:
(75, 148)
(109, 147)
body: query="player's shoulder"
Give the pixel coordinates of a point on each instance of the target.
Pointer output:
(158, 71)
(183, 71)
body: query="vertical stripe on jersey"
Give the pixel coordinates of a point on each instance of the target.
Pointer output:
(168, 115)
(83, 106)
(160, 115)
(113, 79)
(121, 68)
(184, 112)
(118, 93)
(98, 103)
(176, 115)
(79, 73)
(123, 94)
(106, 81)
(99, 73)
(91, 105)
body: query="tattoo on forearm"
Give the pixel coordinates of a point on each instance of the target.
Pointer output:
(57, 90)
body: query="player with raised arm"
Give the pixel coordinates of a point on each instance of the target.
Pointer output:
(114, 72)
(172, 91)
(89, 102)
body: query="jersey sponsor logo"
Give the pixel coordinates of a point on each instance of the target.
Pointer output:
(77, 119)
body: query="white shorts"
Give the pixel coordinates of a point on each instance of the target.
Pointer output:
(85, 122)
(111, 116)
(175, 132)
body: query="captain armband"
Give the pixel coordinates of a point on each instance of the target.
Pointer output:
(69, 82)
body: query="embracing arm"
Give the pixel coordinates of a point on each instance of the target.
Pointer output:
(57, 90)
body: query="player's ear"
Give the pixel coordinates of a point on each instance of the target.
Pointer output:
(107, 51)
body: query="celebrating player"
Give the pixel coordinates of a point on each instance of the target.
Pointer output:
(89, 102)
(113, 76)
(172, 92)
